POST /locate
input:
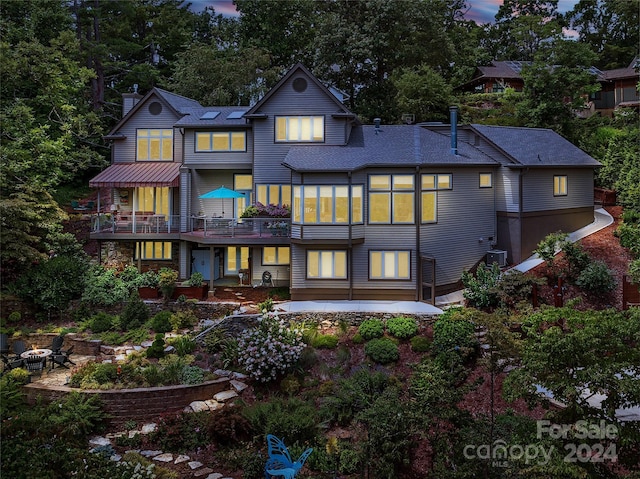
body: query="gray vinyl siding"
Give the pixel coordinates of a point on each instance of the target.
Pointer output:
(465, 215)
(299, 269)
(185, 192)
(507, 189)
(538, 189)
(203, 181)
(287, 102)
(125, 150)
(279, 273)
(217, 159)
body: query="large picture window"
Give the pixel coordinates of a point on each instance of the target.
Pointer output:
(389, 265)
(560, 185)
(326, 264)
(391, 199)
(153, 250)
(318, 204)
(300, 128)
(221, 141)
(274, 194)
(275, 255)
(155, 145)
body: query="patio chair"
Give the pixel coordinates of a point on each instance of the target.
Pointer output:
(56, 344)
(62, 358)
(10, 364)
(4, 344)
(19, 347)
(34, 364)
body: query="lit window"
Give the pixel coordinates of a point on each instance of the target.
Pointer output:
(314, 204)
(221, 141)
(326, 264)
(274, 194)
(389, 265)
(560, 185)
(154, 200)
(275, 255)
(391, 199)
(153, 250)
(300, 128)
(155, 145)
(237, 259)
(429, 207)
(242, 184)
(486, 180)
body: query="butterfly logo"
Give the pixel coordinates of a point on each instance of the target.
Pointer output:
(279, 463)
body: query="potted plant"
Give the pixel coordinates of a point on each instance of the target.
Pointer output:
(194, 287)
(148, 285)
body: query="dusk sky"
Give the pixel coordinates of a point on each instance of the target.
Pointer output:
(482, 11)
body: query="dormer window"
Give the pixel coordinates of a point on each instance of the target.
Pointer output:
(155, 145)
(299, 129)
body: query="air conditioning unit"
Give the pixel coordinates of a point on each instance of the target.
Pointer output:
(497, 256)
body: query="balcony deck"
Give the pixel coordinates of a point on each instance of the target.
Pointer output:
(199, 229)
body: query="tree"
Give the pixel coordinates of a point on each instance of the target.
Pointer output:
(610, 27)
(595, 352)
(422, 92)
(215, 76)
(556, 85)
(522, 27)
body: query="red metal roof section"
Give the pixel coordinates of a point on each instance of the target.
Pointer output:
(143, 173)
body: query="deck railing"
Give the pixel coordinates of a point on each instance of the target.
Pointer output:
(206, 226)
(135, 224)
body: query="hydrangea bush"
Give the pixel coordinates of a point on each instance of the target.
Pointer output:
(270, 349)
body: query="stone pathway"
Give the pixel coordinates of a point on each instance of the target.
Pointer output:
(200, 471)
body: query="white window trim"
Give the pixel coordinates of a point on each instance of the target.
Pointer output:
(229, 141)
(299, 118)
(561, 192)
(277, 261)
(298, 217)
(392, 192)
(149, 137)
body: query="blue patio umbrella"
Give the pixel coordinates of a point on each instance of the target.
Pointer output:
(222, 193)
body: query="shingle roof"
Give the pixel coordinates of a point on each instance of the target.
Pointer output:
(194, 117)
(396, 145)
(178, 102)
(535, 146)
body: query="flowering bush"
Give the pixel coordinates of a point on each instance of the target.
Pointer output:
(270, 349)
(274, 211)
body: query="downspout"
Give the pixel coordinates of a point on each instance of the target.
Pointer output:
(521, 174)
(350, 242)
(453, 115)
(418, 217)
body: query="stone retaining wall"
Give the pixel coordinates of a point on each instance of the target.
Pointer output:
(81, 346)
(138, 403)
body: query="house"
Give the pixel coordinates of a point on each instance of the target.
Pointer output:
(377, 211)
(618, 87)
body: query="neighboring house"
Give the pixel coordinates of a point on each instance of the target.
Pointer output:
(619, 87)
(378, 212)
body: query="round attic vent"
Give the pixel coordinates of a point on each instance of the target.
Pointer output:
(155, 108)
(299, 85)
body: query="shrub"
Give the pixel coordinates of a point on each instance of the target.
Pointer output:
(135, 313)
(480, 290)
(148, 279)
(14, 317)
(634, 271)
(101, 322)
(270, 349)
(266, 306)
(550, 245)
(161, 322)
(597, 278)
(167, 278)
(156, 350)
(183, 345)
(382, 350)
(173, 366)
(196, 279)
(183, 319)
(325, 341)
(402, 327)
(357, 338)
(577, 258)
(104, 287)
(183, 432)
(292, 419)
(371, 328)
(420, 344)
(515, 286)
(214, 340)
(192, 375)
(629, 235)
(453, 332)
